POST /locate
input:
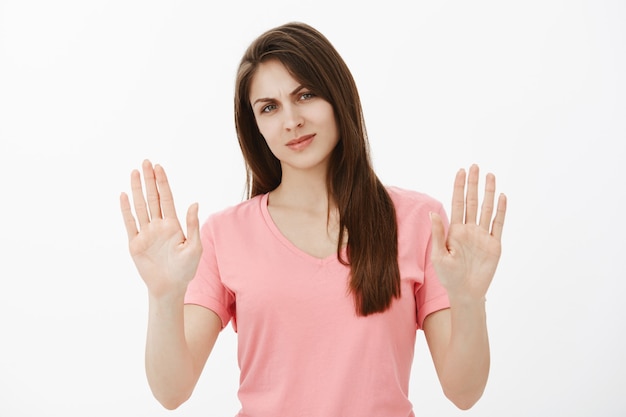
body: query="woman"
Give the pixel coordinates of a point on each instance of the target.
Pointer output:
(325, 273)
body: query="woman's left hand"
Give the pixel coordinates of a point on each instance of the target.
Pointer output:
(466, 259)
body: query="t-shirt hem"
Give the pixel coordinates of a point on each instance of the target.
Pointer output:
(431, 306)
(210, 304)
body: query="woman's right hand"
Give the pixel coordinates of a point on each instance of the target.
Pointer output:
(165, 258)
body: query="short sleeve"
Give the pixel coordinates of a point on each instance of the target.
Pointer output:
(206, 288)
(431, 296)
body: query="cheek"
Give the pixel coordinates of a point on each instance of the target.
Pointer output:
(265, 127)
(268, 131)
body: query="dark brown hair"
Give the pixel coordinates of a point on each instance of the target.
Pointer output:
(366, 211)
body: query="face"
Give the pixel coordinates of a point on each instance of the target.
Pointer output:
(299, 127)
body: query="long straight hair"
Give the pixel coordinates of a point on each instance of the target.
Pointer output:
(366, 211)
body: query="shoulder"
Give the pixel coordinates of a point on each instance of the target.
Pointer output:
(413, 210)
(242, 208)
(409, 201)
(236, 216)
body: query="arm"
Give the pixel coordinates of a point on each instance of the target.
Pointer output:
(459, 345)
(179, 337)
(465, 261)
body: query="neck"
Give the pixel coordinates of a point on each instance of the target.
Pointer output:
(302, 189)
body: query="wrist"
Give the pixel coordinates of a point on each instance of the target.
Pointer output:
(466, 300)
(468, 312)
(165, 308)
(173, 295)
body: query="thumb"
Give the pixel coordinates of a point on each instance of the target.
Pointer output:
(438, 236)
(193, 224)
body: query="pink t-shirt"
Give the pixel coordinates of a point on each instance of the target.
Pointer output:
(302, 349)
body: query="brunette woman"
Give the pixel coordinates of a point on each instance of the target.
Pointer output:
(325, 273)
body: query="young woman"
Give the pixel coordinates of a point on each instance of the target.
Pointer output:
(325, 273)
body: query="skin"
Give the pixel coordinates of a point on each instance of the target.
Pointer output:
(465, 261)
(284, 110)
(180, 337)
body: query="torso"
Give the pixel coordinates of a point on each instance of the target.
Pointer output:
(301, 347)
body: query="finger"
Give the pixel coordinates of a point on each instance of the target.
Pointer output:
(458, 196)
(138, 199)
(129, 221)
(165, 193)
(193, 224)
(152, 193)
(438, 237)
(498, 221)
(471, 199)
(486, 210)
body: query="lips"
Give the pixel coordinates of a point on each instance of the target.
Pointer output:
(301, 142)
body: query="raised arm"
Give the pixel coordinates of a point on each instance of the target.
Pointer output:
(179, 337)
(465, 261)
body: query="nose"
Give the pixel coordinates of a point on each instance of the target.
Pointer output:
(293, 118)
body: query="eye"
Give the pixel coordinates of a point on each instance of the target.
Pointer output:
(268, 108)
(306, 96)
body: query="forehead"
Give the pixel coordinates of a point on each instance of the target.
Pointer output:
(271, 79)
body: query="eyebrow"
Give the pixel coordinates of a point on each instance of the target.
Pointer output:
(266, 99)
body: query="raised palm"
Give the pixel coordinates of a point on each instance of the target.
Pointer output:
(466, 259)
(164, 257)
